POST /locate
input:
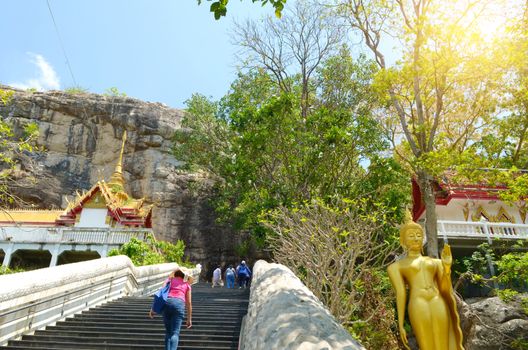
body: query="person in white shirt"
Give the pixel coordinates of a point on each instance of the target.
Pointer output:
(217, 277)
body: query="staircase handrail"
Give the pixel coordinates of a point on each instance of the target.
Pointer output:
(34, 299)
(279, 297)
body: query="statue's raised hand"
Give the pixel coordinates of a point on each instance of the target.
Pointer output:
(447, 258)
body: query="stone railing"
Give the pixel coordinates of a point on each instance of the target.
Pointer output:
(481, 230)
(284, 314)
(34, 299)
(72, 235)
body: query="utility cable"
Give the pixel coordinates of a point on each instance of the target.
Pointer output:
(68, 64)
(61, 43)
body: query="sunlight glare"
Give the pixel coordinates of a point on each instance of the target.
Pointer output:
(489, 19)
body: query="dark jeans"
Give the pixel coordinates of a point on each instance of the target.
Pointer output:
(243, 281)
(173, 314)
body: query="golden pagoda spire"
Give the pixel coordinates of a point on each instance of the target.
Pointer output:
(117, 177)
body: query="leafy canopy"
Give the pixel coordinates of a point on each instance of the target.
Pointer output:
(265, 153)
(219, 7)
(14, 144)
(151, 251)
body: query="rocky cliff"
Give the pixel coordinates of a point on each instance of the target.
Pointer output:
(81, 136)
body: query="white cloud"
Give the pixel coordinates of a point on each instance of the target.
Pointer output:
(46, 79)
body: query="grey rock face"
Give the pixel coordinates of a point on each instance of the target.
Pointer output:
(81, 135)
(498, 324)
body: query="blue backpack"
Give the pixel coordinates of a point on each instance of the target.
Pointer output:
(160, 298)
(243, 271)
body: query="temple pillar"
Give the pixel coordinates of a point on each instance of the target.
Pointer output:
(7, 257)
(55, 255)
(104, 251)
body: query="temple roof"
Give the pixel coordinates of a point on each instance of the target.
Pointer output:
(452, 186)
(30, 216)
(123, 208)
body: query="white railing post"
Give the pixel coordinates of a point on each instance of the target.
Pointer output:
(486, 231)
(488, 257)
(55, 255)
(8, 253)
(442, 226)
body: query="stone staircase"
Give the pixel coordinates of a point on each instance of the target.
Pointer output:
(124, 324)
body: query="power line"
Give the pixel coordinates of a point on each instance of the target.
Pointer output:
(69, 66)
(61, 44)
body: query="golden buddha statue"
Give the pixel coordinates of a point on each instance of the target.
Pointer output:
(432, 306)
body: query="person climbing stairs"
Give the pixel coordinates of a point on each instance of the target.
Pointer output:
(124, 324)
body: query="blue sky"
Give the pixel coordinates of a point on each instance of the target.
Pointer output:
(156, 50)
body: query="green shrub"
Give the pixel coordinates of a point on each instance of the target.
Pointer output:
(114, 92)
(76, 90)
(520, 344)
(511, 271)
(507, 295)
(151, 251)
(6, 270)
(524, 304)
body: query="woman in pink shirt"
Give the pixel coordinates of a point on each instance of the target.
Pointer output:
(174, 310)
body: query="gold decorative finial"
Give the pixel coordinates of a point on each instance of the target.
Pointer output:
(408, 223)
(117, 177)
(408, 216)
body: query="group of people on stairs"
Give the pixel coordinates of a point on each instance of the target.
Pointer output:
(179, 301)
(242, 274)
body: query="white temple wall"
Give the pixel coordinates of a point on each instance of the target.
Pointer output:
(454, 209)
(91, 217)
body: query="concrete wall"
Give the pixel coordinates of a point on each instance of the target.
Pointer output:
(34, 299)
(284, 314)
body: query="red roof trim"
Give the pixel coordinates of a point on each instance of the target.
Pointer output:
(443, 198)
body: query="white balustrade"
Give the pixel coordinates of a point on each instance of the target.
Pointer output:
(482, 229)
(72, 235)
(34, 299)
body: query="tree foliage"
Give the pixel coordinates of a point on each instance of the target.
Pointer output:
(511, 271)
(151, 251)
(291, 50)
(499, 156)
(15, 143)
(441, 94)
(340, 252)
(266, 154)
(219, 7)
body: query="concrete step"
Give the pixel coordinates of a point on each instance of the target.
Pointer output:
(55, 345)
(151, 341)
(124, 325)
(112, 334)
(212, 329)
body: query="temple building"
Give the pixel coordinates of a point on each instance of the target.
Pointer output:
(471, 214)
(96, 221)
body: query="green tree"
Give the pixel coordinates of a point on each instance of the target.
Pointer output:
(114, 92)
(291, 50)
(264, 153)
(151, 251)
(502, 153)
(441, 93)
(14, 144)
(338, 250)
(219, 7)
